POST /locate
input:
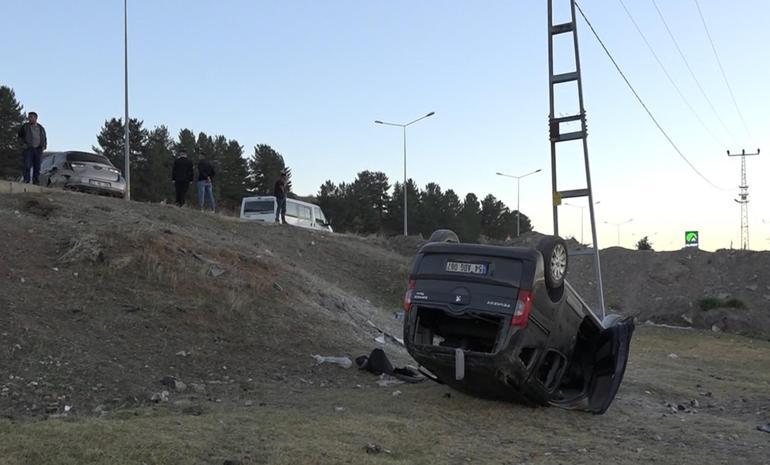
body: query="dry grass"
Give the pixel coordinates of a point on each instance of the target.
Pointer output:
(422, 425)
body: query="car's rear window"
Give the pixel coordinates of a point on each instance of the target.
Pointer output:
(258, 206)
(84, 157)
(461, 266)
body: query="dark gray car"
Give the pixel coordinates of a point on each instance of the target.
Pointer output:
(502, 322)
(82, 171)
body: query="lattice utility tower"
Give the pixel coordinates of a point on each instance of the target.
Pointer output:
(557, 136)
(744, 197)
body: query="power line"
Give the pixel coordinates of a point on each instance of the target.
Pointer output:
(649, 113)
(692, 73)
(719, 62)
(670, 79)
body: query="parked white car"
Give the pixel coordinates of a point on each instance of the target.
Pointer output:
(298, 213)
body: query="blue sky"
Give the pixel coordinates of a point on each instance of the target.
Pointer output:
(309, 78)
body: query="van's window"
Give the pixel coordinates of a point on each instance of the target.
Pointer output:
(291, 209)
(319, 216)
(259, 206)
(87, 158)
(305, 212)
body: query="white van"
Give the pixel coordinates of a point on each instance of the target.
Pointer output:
(298, 213)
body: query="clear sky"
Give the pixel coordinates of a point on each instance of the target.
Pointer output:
(310, 77)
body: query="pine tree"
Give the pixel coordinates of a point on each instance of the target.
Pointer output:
(264, 169)
(153, 182)
(394, 220)
(469, 227)
(111, 144)
(11, 119)
(232, 174)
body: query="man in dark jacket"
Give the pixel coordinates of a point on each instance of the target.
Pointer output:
(205, 179)
(279, 190)
(33, 140)
(182, 174)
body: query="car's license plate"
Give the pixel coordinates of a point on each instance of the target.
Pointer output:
(100, 183)
(463, 267)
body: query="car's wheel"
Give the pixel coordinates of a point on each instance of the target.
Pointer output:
(444, 235)
(555, 259)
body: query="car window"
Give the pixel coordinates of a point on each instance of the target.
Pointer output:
(46, 163)
(319, 216)
(259, 206)
(84, 157)
(292, 209)
(305, 213)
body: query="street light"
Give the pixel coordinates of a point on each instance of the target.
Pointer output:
(582, 210)
(518, 197)
(127, 170)
(618, 225)
(403, 126)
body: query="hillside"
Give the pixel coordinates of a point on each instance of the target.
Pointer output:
(138, 333)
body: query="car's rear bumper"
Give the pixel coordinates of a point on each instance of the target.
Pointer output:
(116, 189)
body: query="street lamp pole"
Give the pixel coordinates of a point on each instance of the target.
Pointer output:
(403, 126)
(618, 225)
(582, 214)
(127, 169)
(518, 196)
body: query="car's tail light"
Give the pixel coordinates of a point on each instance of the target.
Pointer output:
(408, 295)
(523, 307)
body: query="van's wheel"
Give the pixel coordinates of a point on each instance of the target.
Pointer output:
(444, 235)
(555, 259)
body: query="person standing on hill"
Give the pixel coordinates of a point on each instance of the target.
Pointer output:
(33, 140)
(182, 174)
(205, 183)
(280, 198)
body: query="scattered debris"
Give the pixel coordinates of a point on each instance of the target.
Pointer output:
(373, 448)
(764, 428)
(277, 287)
(160, 396)
(344, 362)
(215, 271)
(387, 381)
(131, 308)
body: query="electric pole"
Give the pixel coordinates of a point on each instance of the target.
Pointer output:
(744, 198)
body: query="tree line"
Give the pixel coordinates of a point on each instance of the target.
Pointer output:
(367, 205)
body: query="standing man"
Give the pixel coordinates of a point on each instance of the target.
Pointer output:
(34, 141)
(182, 174)
(205, 178)
(280, 197)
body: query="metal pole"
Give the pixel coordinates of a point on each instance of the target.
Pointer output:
(405, 228)
(582, 211)
(127, 169)
(518, 204)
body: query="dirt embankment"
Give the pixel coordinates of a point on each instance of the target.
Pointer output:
(101, 299)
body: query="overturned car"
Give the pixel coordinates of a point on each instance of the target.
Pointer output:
(502, 322)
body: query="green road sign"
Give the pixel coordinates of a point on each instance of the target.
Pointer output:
(691, 238)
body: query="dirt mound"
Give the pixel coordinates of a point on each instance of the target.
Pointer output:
(103, 298)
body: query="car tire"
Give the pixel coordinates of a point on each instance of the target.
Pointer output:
(444, 235)
(555, 260)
